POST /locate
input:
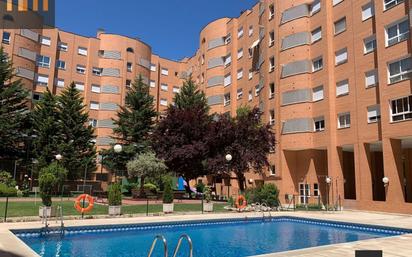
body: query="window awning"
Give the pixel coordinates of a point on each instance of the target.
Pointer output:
(255, 44)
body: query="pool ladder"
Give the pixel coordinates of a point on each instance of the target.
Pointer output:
(46, 222)
(165, 251)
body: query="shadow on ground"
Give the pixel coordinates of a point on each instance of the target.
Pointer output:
(8, 254)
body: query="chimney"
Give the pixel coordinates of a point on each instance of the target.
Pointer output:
(100, 31)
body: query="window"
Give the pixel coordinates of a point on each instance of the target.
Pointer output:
(397, 32)
(239, 93)
(257, 90)
(271, 38)
(272, 170)
(82, 51)
(374, 113)
(340, 26)
(316, 189)
(6, 37)
(371, 78)
(391, 3)
(79, 86)
(250, 30)
(81, 69)
(164, 87)
(401, 109)
(316, 35)
(228, 60)
(45, 40)
(43, 61)
(37, 97)
(129, 67)
(226, 100)
(153, 67)
(250, 96)
(240, 32)
(368, 11)
(341, 56)
(130, 50)
(319, 124)
(271, 11)
(271, 90)
(400, 70)
(165, 71)
(240, 53)
(60, 82)
(152, 83)
(163, 102)
(271, 117)
(94, 106)
(271, 64)
(317, 64)
(369, 44)
(240, 74)
(62, 46)
(228, 39)
(342, 88)
(344, 120)
(202, 78)
(250, 74)
(227, 80)
(335, 2)
(95, 88)
(42, 80)
(128, 83)
(315, 7)
(317, 93)
(93, 123)
(61, 65)
(176, 89)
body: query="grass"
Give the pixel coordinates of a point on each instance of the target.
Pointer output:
(25, 209)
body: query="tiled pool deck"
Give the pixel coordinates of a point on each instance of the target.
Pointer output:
(393, 246)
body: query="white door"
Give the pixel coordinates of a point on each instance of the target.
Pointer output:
(304, 193)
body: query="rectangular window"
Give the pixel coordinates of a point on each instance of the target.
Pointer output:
(45, 40)
(315, 7)
(82, 51)
(272, 117)
(94, 106)
(128, 83)
(6, 37)
(129, 67)
(226, 100)
(369, 44)
(316, 35)
(60, 82)
(271, 90)
(42, 80)
(397, 32)
(79, 86)
(240, 32)
(153, 67)
(240, 53)
(240, 74)
(165, 71)
(61, 65)
(340, 26)
(368, 11)
(374, 113)
(271, 64)
(317, 93)
(228, 39)
(163, 102)
(43, 61)
(371, 78)
(97, 71)
(344, 120)
(391, 3)
(316, 190)
(317, 64)
(228, 60)
(400, 70)
(37, 97)
(93, 123)
(271, 38)
(227, 80)
(152, 83)
(257, 90)
(401, 109)
(164, 87)
(250, 96)
(319, 124)
(81, 69)
(95, 88)
(272, 170)
(62, 46)
(250, 74)
(335, 2)
(341, 56)
(250, 30)
(176, 89)
(239, 93)
(271, 11)
(342, 88)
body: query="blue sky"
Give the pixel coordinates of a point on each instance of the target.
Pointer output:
(171, 27)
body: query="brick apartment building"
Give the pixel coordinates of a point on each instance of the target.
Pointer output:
(331, 76)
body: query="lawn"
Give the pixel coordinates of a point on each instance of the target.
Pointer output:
(24, 209)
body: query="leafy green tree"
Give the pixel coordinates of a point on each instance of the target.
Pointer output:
(115, 194)
(168, 190)
(190, 96)
(77, 136)
(13, 110)
(51, 178)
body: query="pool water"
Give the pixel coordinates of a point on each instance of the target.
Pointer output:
(229, 238)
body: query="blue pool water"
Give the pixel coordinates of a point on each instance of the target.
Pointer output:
(228, 238)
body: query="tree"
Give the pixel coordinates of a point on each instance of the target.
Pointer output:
(135, 121)
(146, 165)
(51, 177)
(179, 138)
(46, 127)
(13, 110)
(77, 135)
(245, 138)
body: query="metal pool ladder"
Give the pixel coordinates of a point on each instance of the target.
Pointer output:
(161, 237)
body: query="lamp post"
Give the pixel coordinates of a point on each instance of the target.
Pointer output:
(117, 149)
(228, 158)
(328, 180)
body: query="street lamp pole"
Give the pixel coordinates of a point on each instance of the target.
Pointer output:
(117, 149)
(228, 159)
(328, 181)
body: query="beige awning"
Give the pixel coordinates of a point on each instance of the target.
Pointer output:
(255, 44)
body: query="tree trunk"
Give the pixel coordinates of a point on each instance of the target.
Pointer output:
(142, 191)
(241, 181)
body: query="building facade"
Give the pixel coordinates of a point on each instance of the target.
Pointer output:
(332, 77)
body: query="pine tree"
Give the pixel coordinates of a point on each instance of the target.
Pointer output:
(77, 135)
(191, 97)
(13, 110)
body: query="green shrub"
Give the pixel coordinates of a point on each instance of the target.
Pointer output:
(47, 182)
(268, 194)
(200, 187)
(7, 191)
(152, 188)
(115, 194)
(168, 191)
(207, 194)
(231, 201)
(7, 179)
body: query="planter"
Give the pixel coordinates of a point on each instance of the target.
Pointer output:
(47, 211)
(115, 210)
(208, 207)
(168, 207)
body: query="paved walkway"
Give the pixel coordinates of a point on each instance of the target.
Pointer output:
(399, 246)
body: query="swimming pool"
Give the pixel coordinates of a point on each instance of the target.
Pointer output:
(211, 238)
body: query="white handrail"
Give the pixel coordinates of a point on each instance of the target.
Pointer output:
(154, 244)
(189, 240)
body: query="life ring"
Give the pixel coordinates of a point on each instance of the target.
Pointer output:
(244, 202)
(84, 197)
